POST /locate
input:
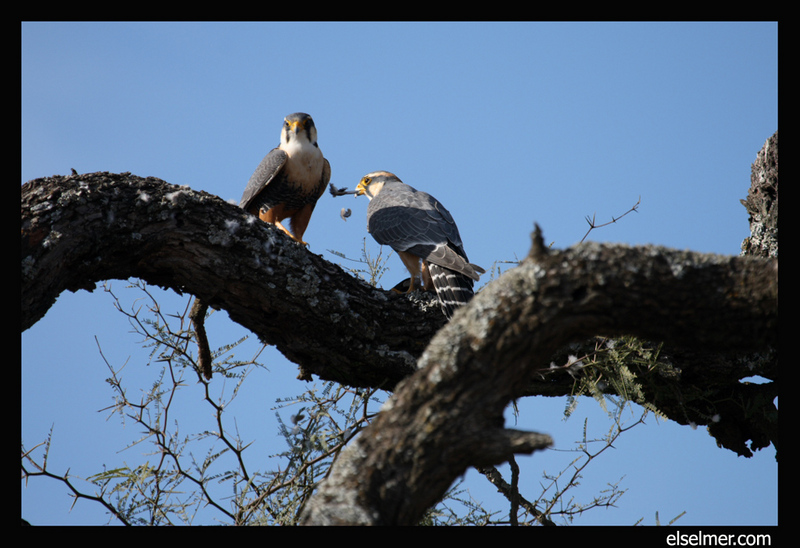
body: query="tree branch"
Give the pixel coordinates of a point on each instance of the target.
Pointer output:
(447, 410)
(78, 230)
(81, 229)
(449, 415)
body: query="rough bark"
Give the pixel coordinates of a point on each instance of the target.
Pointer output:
(81, 229)
(449, 415)
(709, 310)
(762, 203)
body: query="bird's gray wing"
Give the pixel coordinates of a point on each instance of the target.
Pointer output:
(413, 221)
(266, 171)
(395, 219)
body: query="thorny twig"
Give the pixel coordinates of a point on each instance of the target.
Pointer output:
(592, 224)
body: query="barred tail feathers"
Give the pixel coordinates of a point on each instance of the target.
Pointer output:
(453, 288)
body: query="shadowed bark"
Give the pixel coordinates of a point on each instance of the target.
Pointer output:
(78, 230)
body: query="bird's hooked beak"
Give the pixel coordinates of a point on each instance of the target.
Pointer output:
(369, 186)
(294, 125)
(361, 188)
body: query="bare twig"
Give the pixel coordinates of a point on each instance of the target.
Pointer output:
(593, 225)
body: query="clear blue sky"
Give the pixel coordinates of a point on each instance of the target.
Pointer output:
(506, 123)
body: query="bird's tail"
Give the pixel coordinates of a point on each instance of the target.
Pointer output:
(453, 288)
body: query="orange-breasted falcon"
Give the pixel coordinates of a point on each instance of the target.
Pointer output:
(290, 179)
(422, 232)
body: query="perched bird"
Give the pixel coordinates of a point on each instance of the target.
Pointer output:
(287, 183)
(422, 232)
(290, 179)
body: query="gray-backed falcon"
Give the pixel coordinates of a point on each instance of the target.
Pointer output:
(290, 179)
(422, 232)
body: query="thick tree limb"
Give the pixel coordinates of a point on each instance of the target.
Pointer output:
(81, 229)
(449, 416)
(78, 230)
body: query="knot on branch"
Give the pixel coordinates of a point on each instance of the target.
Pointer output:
(501, 445)
(538, 249)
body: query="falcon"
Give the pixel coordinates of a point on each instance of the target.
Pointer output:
(422, 232)
(290, 179)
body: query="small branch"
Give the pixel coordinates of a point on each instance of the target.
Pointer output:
(41, 470)
(592, 224)
(198, 318)
(509, 491)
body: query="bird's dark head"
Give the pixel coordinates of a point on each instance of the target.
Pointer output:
(299, 128)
